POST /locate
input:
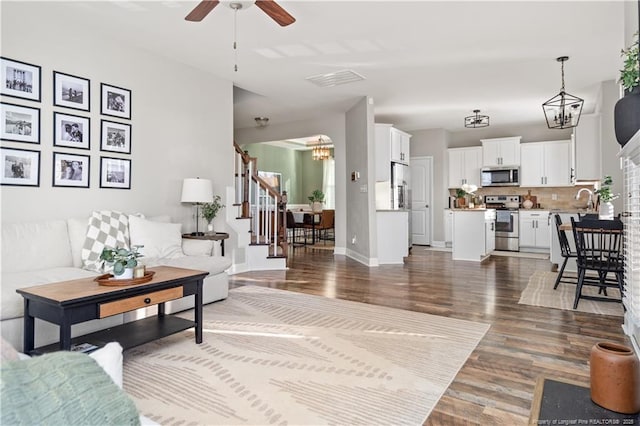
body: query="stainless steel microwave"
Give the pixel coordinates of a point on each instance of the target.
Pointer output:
(500, 176)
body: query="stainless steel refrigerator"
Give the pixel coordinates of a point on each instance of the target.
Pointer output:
(401, 191)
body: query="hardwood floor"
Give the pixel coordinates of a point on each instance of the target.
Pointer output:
(496, 384)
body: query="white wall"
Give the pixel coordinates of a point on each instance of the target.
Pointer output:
(181, 122)
(530, 133)
(361, 206)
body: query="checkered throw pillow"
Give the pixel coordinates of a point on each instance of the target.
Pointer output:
(106, 229)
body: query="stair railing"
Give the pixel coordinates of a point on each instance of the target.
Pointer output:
(261, 203)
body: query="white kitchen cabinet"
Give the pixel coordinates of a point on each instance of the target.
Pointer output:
(489, 233)
(501, 151)
(546, 164)
(586, 148)
(400, 146)
(535, 230)
(391, 145)
(393, 236)
(464, 166)
(468, 243)
(448, 227)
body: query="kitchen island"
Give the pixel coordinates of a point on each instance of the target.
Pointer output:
(393, 236)
(474, 234)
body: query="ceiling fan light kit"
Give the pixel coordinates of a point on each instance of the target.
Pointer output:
(563, 110)
(476, 120)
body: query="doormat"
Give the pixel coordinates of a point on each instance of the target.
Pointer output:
(558, 402)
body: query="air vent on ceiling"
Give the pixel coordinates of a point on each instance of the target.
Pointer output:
(335, 78)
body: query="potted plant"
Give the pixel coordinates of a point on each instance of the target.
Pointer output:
(460, 197)
(605, 197)
(316, 198)
(210, 210)
(626, 117)
(123, 260)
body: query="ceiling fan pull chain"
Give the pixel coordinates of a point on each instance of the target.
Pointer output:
(235, 38)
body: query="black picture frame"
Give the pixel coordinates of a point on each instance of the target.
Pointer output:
(71, 131)
(19, 123)
(71, 91)
(20, 167)
(115, 101)
(20, 79)
(71, 170)
(115, 137)
(115, 173)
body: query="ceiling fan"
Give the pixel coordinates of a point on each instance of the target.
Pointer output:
(270, 7)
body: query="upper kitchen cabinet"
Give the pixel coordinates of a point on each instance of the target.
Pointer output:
(392, 145)
(586, 148)
(464, 166)
(400, 146)
(501, 151)
(546, 164)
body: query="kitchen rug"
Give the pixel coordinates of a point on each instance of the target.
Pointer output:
(540, 292)
(278, 357)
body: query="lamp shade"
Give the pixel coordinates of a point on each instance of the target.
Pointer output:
(196, 190)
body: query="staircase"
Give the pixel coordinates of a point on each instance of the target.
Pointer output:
(259, 218)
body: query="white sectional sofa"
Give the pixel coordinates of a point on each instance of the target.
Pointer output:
(50, 251)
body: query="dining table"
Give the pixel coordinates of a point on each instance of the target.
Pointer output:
(299, 218)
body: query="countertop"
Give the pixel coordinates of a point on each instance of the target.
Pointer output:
(479, 209)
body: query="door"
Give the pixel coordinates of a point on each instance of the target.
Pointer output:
(421, 184)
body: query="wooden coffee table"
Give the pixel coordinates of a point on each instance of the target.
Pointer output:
(76, 301)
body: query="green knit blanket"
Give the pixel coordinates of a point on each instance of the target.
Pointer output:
(62, 388)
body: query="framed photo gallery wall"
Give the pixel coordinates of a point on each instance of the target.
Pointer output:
(21, 122)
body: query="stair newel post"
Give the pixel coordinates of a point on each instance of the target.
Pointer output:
(282, 233)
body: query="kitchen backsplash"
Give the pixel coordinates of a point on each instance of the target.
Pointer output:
(566, 195)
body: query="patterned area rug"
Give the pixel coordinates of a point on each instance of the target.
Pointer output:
(540, 292)
(278, 357)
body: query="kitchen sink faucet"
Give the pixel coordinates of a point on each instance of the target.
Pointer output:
(590, 202)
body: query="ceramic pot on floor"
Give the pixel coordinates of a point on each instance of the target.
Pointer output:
(615, 377)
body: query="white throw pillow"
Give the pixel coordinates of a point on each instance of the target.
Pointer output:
(160, 240)
(110, 359)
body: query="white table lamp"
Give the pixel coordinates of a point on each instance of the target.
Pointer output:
(197, 191)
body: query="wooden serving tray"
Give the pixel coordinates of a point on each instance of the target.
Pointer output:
(108, 280)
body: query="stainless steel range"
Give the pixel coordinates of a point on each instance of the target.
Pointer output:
(507, 220)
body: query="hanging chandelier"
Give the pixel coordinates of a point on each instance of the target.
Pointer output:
(474, 121)
(563, 110)
(321, 153)
(320, 150)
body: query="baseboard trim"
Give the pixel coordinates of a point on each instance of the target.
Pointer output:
(371, 262)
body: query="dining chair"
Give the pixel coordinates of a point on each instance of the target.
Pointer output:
(293, 225)
(565, 250)
(327, 221)
(599, 250)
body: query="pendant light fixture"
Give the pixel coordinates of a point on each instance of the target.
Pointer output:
(320, 151)
(474, 121)
(563, 110)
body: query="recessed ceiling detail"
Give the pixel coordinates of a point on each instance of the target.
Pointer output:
(335, 78)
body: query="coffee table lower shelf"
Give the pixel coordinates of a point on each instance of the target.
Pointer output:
(130, 334)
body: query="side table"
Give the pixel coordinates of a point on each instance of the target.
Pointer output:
(215, 236)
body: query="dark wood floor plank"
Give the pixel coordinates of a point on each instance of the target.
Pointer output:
(496, 384)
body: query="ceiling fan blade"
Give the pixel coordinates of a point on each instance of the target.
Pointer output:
(276, 12)
(201, 10)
